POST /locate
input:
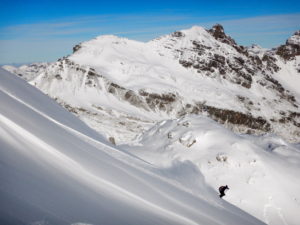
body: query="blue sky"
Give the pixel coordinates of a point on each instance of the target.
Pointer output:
(36, 31)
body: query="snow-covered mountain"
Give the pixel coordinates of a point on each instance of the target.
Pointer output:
(56, 170)
(122, 87)
(154, 100)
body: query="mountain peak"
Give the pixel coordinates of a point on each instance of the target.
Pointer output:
(217, 31)
(196, 29)
(291, 48)
(218, 28)
(294, 39)
(191, 33)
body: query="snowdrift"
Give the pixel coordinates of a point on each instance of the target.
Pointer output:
(56, 170)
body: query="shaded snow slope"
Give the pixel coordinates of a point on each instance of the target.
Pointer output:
(262, 172)
(55, 170)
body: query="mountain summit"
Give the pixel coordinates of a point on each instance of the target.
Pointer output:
(122, 87)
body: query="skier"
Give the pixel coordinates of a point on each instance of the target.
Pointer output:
(222, 190)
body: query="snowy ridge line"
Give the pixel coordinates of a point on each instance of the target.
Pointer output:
(86, 176)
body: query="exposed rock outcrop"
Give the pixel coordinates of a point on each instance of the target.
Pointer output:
(291, 47)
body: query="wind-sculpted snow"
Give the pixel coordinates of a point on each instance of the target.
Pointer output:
(262, 172)
(55, 170)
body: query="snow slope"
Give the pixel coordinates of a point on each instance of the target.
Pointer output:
(262, 172)
(56, 170)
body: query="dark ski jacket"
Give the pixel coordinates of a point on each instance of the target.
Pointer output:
(222, 190)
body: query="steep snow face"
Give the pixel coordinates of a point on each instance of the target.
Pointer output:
(262, 172)
(289, 76)
(56, 170)
(122, 87)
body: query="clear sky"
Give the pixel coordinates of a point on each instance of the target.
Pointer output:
(37, 31)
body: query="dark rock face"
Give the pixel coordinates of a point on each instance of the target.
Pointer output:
(134, 99)
(239, 68)
(162, 102)
(238, 118)
(217, 31)
(228, 116)
(76, 48)
(177, 34)
(292, 117)
(218, 64)
(291, 47)
(114, 88)
(270, 62)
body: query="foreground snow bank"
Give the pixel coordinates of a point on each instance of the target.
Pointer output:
(55, 170)
(261, 171)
